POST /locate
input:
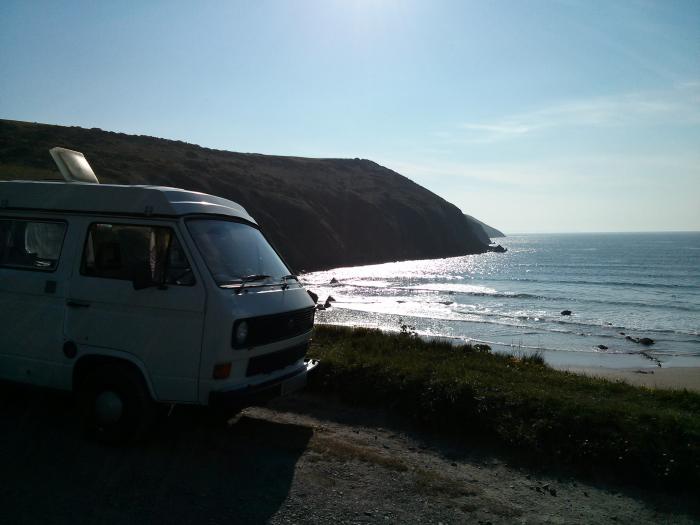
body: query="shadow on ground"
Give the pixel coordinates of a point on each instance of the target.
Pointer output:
(483, 452)
(190, 471)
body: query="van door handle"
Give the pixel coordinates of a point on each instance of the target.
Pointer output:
(77, 304)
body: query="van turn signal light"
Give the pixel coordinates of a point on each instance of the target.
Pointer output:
(222, 371)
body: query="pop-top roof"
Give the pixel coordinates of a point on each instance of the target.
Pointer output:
(73, 165)
(114, 199)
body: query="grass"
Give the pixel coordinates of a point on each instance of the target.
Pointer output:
(649, 436)
(347, 451)
(427, 481)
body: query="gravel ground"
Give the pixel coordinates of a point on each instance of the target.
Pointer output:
(300, 460)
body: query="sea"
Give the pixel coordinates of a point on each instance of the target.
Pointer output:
(618, 287)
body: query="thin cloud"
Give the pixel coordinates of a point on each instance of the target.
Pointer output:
(599, 171)
(677, 106)
(505, 128)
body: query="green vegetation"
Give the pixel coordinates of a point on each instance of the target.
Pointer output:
(649, 436)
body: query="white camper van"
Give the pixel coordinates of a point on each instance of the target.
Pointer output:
(137, 295)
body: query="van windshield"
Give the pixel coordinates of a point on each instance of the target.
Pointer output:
(236, 252)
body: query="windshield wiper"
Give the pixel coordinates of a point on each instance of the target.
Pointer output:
(285, 278)
(243, 280)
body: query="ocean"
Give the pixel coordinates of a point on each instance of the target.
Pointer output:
(616, 285)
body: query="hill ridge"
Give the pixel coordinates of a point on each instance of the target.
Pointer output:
(319, 213)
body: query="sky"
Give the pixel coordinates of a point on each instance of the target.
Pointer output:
(533, 116)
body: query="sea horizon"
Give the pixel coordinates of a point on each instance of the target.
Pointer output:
(651, 232)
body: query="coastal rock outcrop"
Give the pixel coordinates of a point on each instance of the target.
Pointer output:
(646, 341)
(318, 213)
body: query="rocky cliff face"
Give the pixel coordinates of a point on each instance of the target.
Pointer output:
(319, 213)
(483, 230)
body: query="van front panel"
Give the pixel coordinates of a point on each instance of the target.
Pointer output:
(253, 364)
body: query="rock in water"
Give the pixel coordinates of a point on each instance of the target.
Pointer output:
(334, 281)
(330, 299)
(313, 296)
(602, 347)
(328, 304)
(566, 312)
(646, 341)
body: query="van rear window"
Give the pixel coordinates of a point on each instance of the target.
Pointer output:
(122, 251)
(30, 244)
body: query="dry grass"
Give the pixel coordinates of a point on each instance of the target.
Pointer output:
(426, 481)
(432, 482)
(345, 451)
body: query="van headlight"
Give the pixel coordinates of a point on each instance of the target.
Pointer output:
(240, 335)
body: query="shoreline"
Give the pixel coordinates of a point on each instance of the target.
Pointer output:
(632, 368)
(671, 378)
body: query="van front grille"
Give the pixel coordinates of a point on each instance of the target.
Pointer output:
(265, 364)
(277, 327)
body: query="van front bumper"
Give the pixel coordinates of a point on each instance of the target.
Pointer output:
(263, 392)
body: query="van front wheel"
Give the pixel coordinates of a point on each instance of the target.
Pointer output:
(117, 406)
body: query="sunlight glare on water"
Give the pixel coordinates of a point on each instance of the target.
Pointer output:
(617, 285)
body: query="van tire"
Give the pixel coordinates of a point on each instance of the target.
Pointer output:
(117, 406)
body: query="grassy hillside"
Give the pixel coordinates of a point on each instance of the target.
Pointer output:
(319, 213)
(648, 436)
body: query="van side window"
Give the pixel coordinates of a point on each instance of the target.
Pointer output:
(30, 244)
(124, 251)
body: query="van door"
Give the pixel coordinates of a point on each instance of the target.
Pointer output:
(33, 276)
(160, 323)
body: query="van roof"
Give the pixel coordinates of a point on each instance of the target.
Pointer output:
(114, 199)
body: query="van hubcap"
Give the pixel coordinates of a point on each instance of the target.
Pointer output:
(108, 408)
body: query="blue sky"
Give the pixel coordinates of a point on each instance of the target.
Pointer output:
(533, 116)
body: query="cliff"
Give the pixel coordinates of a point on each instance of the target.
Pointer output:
(482, 230)
(319, 213)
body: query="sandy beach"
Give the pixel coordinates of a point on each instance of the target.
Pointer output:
(676, 378)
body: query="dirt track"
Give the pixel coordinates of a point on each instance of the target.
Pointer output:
(301, 460)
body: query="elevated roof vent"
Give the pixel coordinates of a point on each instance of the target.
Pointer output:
(73, 165)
